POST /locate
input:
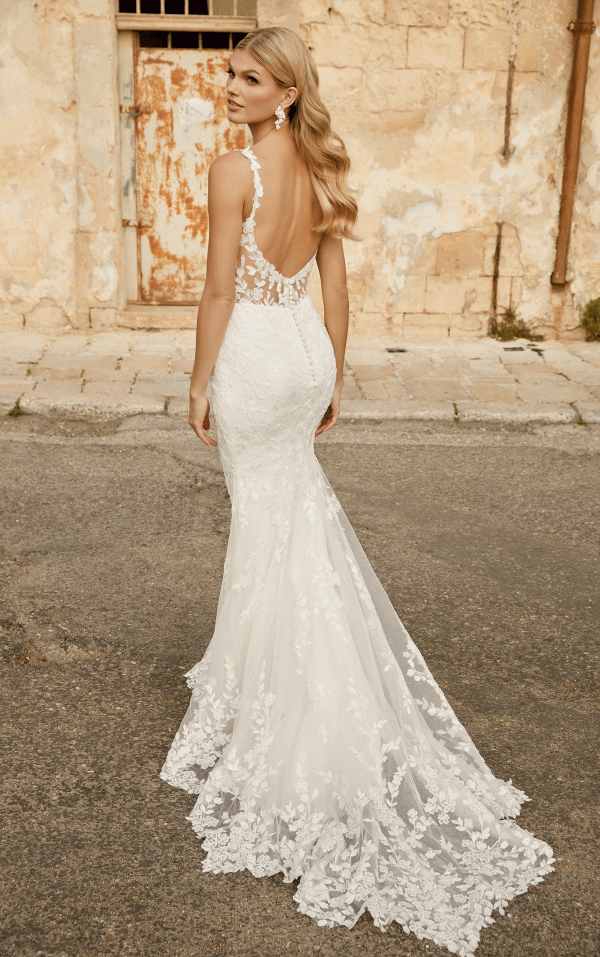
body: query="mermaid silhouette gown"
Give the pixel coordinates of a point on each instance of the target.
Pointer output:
(316, 740)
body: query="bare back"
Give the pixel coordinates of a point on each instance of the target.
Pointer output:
(281, 229)
(288, 210)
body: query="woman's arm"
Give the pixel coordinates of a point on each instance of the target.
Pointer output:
(228, 181)
(332, 269)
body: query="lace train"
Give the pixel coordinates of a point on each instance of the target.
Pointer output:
(316, 739)
(318, 751)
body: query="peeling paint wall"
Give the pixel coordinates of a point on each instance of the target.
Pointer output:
(185, 131)
(59, 208)
(418, 91)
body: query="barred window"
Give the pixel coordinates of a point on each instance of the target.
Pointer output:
(243, 9)
(189, 39)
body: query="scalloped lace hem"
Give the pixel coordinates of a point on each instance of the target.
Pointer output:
(369, 860)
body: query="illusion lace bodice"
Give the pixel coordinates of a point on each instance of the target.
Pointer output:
(256, 279)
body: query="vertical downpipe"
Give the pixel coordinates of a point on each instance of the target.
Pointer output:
(493, 323)
(582, 28)
(513, 23)
(507, 152)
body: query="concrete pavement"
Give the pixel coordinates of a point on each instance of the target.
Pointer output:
(130, 373)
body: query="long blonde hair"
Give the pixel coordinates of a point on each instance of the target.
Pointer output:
(285, 56)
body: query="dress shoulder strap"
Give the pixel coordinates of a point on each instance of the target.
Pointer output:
(258, 190)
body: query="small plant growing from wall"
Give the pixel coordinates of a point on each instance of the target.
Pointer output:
(591, 320)
(508, 326)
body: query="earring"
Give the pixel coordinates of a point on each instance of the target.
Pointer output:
(280, 114)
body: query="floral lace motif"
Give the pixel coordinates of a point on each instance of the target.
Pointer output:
(256, 279)
(316, 739)
(316, 750)
(438, 867)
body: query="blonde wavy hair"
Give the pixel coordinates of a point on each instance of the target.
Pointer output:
(286, 57)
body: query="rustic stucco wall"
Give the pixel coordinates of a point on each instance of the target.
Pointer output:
(418, 90)
(59, 204)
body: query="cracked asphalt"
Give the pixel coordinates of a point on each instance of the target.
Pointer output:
(112, 542)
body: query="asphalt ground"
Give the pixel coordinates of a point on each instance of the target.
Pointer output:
(112, 537)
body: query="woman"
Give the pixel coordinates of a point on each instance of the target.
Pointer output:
(316, 739)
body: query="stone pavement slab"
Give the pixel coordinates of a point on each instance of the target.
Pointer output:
(521, 413)
(167, 386)
(178, 408)
(436, 411)
(589, 412)
(126, 372)
(20, 347)
(492, 392)
(552, 389)
(12, 391)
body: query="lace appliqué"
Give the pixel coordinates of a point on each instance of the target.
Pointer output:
(300, 766)
(439, 865)
(256, 279)
(316, 740)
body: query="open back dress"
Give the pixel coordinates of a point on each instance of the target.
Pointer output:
(316, 739)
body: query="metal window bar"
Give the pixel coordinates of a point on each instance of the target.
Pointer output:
(211, 10)
(194, 22)
(145, 42)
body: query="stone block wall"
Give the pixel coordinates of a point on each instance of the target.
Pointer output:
(418, 91)
(60, 226)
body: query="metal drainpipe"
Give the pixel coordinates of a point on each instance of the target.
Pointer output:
(582, 28)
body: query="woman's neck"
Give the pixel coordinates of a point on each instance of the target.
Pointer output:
(260, 130)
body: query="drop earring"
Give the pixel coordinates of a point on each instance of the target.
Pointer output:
(280, 114)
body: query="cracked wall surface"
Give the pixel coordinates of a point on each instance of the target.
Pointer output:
(59, 208)
(418, 91)
(441, 154)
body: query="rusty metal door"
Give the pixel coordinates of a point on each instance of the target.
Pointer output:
(182, 126)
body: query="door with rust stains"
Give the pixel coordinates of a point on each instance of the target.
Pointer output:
(182, 126)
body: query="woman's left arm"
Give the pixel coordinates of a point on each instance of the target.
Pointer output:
(228, 180)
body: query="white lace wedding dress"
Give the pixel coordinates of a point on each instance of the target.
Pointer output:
(316, 739)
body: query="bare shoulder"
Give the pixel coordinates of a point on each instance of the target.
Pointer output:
(229, 167)
(229, 182)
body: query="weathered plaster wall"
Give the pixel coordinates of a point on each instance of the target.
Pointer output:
(59, 217)
(418, 91)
